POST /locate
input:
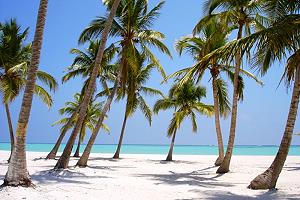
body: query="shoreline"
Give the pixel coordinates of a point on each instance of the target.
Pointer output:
(136, 155)
(146, 176)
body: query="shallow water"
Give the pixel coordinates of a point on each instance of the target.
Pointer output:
(163, 149)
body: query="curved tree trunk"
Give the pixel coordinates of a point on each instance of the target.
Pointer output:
(53, 152)
(224, 167)
(117, 153)
(17, 174)
(170, 154)
(268, 179)
(11, 130)
(76, 154)
(217, 124)
(82, 162)
(63, 162)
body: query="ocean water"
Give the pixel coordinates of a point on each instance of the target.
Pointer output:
(163, 149)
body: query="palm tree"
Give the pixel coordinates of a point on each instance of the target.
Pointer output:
(185, 100)
(275, 38)
(211, 37)
(132, 24)
(239, 13)
(14, 61)
(63, 161)
(82, 66)
(17, 174)
(90, 120)
(135, 90)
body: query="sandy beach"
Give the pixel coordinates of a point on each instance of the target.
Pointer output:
(140, 176)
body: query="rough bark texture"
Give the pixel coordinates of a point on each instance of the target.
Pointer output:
(268, 179)
(117, 153)
(217, 124)
(224, 167)
(17, 174)
(11, 130)
(170, 154)
(53, 152)
(82, 162)
(63, 161)
(76, 154)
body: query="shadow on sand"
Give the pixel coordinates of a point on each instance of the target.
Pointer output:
(196, 178)
(61, 176)
(226, 195)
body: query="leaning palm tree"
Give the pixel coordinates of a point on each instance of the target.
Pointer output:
(82, 66)
(132, 25)
(274, 40)
(17, 174)
(211, 37)
(63, 161)
(186, 100)
(135, 90)
(90, 120)
(14, 61)
(240, 13)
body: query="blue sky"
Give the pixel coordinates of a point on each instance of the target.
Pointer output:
(261, 116)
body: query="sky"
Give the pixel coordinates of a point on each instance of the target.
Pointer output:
(261, 116)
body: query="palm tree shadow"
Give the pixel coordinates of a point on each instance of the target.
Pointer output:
(177, 162)
(220, 195)
(194, 178)
(106, 159)
(61, 176)
(110, 168)
(293, 168)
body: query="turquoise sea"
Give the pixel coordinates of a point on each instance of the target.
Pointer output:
(163, 149)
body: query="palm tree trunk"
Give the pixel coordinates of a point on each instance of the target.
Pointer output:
(217, 124)
(17, 174)
(268, 179)
(79, 143)
(53, 152)
(224, 167)
(63, 162)
(117, 153)
(169, 157)
(82, 162)
(11, 130)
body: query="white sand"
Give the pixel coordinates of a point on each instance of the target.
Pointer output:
(147, 177)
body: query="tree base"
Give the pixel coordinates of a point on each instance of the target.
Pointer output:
(222, 169)
(50, 156)
(219, 161)
(116, 156)
(263, 181)
(169, 158)
(81, 163)
(61, 164)
(76, 155)
(25, 182)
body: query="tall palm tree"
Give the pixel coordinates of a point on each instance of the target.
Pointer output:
(14, 61)
(63, 161)
(186, 100)
(275, 38)
(240, 13)
(135, 90)
(17, 174)
(132, 24)
(212, 36)
(90, 120)
(82, 66)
